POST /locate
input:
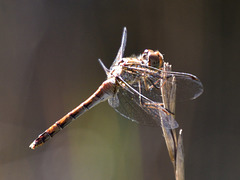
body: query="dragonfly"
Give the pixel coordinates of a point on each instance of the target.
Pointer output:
(133, 89)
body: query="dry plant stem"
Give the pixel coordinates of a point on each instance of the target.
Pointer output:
(169, 134)
(180, 158)
(168, 91)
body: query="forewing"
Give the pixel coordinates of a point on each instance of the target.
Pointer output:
(188, 86)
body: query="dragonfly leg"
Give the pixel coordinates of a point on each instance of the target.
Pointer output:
(139, 88)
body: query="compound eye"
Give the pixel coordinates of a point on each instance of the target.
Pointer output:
(155, 59)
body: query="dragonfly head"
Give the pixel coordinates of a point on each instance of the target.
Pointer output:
(153, 58)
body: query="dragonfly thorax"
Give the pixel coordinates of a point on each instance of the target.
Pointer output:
(116, 70)
(147, 58)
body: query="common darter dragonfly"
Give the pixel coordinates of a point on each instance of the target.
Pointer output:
(133, 88)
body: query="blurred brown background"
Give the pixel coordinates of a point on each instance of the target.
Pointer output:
(48, 65)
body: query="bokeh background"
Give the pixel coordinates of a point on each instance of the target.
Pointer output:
(48, 65)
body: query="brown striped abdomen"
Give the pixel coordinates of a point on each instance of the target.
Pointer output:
(105, 91)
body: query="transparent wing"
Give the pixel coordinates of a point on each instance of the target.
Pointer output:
(188, 85)
(132, 104)
(139, 97)
(122, 48)
(131, 110)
